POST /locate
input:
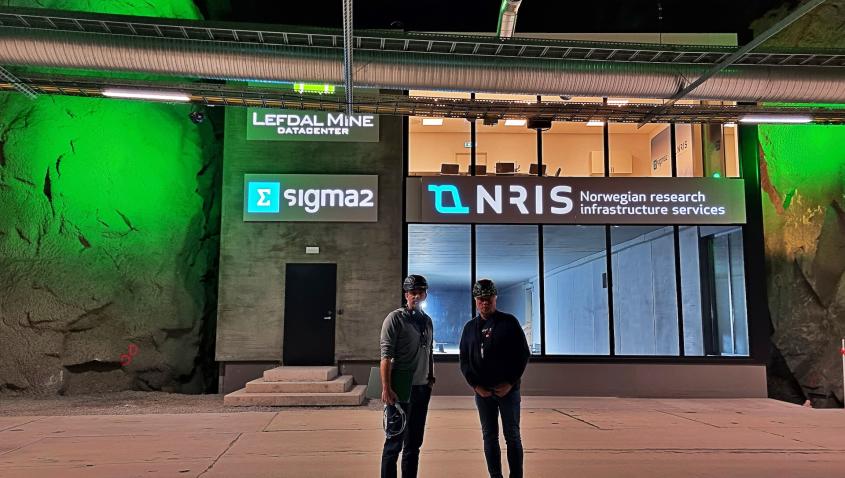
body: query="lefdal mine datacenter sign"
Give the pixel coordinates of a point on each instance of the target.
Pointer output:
(298, 125)
(582, 200)
(310, 197)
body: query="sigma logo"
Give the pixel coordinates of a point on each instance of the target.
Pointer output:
(499, 199)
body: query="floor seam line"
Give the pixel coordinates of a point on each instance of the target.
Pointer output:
(231, 444)
(690, 419)
(580, 420)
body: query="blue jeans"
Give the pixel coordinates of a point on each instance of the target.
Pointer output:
(410, 441)
(488, 411)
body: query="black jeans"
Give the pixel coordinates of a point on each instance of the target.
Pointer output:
(410, 441)
(488, 411)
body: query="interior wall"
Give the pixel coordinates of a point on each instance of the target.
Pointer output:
(576, 308)
(569, 152)
(644, 299)
(449, 309)
(691, 288)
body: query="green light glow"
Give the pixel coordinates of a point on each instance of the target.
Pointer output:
(147, 8)
(104, 208)
(805, 161)
(322, 89)
(717, 175)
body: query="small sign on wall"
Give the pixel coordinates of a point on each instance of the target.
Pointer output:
(310, 198)
(299, 125)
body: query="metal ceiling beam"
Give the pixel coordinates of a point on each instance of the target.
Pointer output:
(375, 40)
(400, 105)
(757, 41)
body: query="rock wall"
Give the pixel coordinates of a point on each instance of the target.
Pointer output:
(109, 225)
(803, 179)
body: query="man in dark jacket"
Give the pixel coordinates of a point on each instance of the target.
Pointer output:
(494, 354)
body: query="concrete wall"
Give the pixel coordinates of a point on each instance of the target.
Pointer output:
(691, 380)
(253, 255)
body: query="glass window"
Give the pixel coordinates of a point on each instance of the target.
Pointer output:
(507, 147)
(575, 264)
(574, 149)
(707, 150)
(645, 311)
(713, 290)
(438, 145)
(442, 254)
(509, 255)
(640, 152)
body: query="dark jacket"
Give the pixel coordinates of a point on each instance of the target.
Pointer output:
(505, 357)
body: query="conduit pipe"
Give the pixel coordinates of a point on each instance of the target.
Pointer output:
(507, 18)
(414, 70)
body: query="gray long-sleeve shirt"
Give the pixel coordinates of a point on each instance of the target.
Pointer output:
(409, 345)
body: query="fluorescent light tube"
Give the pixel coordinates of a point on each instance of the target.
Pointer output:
(730, 124)
(515, 122)
(617, 101)
(788, 119)
(146, 95)
(432, 121)
(595, 123)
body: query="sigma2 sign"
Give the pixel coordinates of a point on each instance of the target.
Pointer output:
(555, 200)
(310, 197)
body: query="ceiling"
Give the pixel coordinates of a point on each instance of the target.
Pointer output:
(459, 125)
(482, 15)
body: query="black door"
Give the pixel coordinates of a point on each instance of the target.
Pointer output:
(309, 314)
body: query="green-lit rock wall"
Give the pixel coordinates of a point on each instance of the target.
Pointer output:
(803, 181)
(803, 174)
(109, 224)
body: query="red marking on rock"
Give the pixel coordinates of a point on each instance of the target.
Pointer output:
(126, 359)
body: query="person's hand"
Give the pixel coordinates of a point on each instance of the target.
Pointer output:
(502, 389)
(388, 396)
(483, 392)
(431, 383)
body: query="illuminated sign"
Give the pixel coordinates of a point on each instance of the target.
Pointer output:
(298, 125)
(553, 200)
(310, 197)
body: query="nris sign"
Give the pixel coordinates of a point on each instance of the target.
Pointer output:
(310, 197)
(299, 125)
(556, 200)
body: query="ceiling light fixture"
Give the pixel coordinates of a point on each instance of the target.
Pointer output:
(730, 124)
(432, 121)
(515, 122)
(617, 102)
(595, 123)
(784, 119)
(146, 95)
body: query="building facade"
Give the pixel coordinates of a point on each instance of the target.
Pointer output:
(614, 298)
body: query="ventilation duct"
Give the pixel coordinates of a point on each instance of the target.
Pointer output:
(507, 17)
(414, 70)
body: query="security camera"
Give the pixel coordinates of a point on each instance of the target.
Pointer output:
(197, 116)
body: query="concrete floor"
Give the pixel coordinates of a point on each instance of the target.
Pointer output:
(578, 437)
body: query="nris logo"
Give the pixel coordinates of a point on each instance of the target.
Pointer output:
(512, 199)
(263, 197)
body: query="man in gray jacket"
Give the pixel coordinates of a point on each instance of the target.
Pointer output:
(407, 375)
